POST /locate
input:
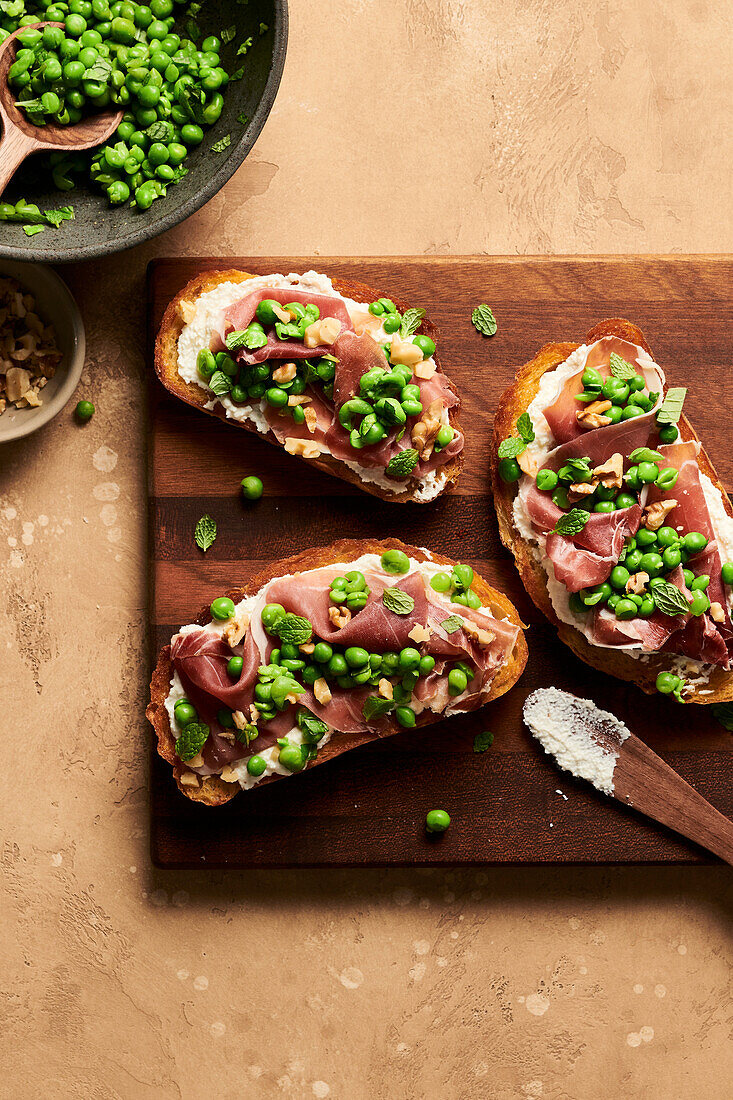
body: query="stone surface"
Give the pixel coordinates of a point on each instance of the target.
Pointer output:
(430, 126)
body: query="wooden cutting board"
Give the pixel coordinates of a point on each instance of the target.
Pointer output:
(509, 804)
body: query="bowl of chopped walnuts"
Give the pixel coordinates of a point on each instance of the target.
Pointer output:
(42, 347)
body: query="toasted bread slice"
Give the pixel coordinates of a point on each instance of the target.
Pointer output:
(213, 791)
(166, 367)
(514, 401)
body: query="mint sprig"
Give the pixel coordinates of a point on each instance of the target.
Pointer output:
(205, 533)
(375, 707)
(572, 523)
(397, 601)
(193, 738)
(484, 320)
(670, 600)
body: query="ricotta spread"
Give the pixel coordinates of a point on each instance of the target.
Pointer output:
(197, 335)
(583, 739)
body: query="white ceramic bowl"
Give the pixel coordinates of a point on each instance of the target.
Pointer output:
(55, 306)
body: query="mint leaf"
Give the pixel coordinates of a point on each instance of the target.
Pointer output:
(220, 383)
(402, 464)
(243, 118)
(313, 728)
(670, 600)
(235, 339)
(228, 34)
(248, 734)
(160, 131)
(452, 623)
(219, 147)
(571, 523)
(723, 713)
(484, 320)
(671, 408)
(620, 368)
(526, 428)
(31, 230)
(244, 47)
(375, 707)
(411, 321)
(293, 629)
(511, 447)
(193, 738)
(483, 741)
(205, 533)
(397, 601)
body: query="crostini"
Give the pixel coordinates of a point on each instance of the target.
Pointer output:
(617, 520)
(332, 371)
(324, 652)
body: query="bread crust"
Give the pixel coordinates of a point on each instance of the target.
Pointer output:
(166, 368)
(213, 790)
(514, 401)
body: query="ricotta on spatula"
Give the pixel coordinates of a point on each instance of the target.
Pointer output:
(583, 739)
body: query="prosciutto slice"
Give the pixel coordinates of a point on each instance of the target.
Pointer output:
(561, 415)
(236, 317)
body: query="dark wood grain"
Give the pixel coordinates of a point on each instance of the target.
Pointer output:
(368, 806)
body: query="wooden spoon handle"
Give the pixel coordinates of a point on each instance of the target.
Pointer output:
(14, 148)
(643, 780)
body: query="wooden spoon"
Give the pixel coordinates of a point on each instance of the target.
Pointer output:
(21, 138)
(595, 745)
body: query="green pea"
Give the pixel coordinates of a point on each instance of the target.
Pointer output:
(699, 603)
(652, 563)
(337, 665)
(509, 470)
(145, 196)
(437, 821)
(276, 397)
(625, 500)
(395, 561)
(667, 536)
(205, 364)
(615, 390)
(648, 472)
(625, 609)
(694, 542)
(560, 498)
(426, 345)
(612, 600)
(646, 608)
(191, 134)
(176, 153)
(271, 615)
(392, 323)
(645, 537)
(322, 653)
(667, 478)
(462, 576)
(118, 192)
(671, 558)
(184, 713)
(356, 657)
(593, 596)
(632, 561)
(256, 765)
(84, 411)
(224, 718)
(406, 717)
(604, 506)
(427, 664)
(726, 573)
(409, 659)
(444, 436)
(234, 667)
(457, 681)
(631, 411)
(546, 480)
(75, 26)
(441, 582)
(619, 576)
(700, 583)
(591, 379)
(252, 488)
(668, 433)
(222, 608)
(667, 683)
(291, 756)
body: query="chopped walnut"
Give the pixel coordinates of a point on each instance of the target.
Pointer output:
(581, 489)
(528, 463)
(426, 369)
(307, 648)
(611, 473)
(385, 689)
(717, 612)
(285, 373)
(591, 416)
(637, 583)
(311, 419)
(339, 616)
(305, 448)
(404, 351)
(424, 432)
(254, 714)
(483, 637)
(420, 633)
(283, 315)
(239, 719)
(24, 339)
(190, 779)
(322, 332)
(235, 630)
(655, 514)
(196, 761)
(186, 311)
(228, 775)
(322, 691)
(228, 735)
(17, 383)
(299, 399)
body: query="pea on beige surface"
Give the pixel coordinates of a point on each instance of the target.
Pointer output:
(568, 130)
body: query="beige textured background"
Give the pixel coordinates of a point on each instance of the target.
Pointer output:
(437, 126)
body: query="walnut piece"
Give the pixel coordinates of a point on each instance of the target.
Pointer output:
(637, 583)
(305, 448)
(611, 473)
(424, 432)
(189, 779)
(186, 311)
(322, 691)
(404, 351)
(239, 719)
(528, 463)
(426, 369)
(322, 332)
(717, 613)
(228, 775)
(196, 761)
(17, 383)
(299, 399)
(307, 648)
(235, 630)
(311, 418)
(339, 616)
(385, 689)
(285, 373)
(591, 416)
(655, 514)
(483, 637)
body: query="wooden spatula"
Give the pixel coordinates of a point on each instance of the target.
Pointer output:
(20, 137)
(595, 745)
